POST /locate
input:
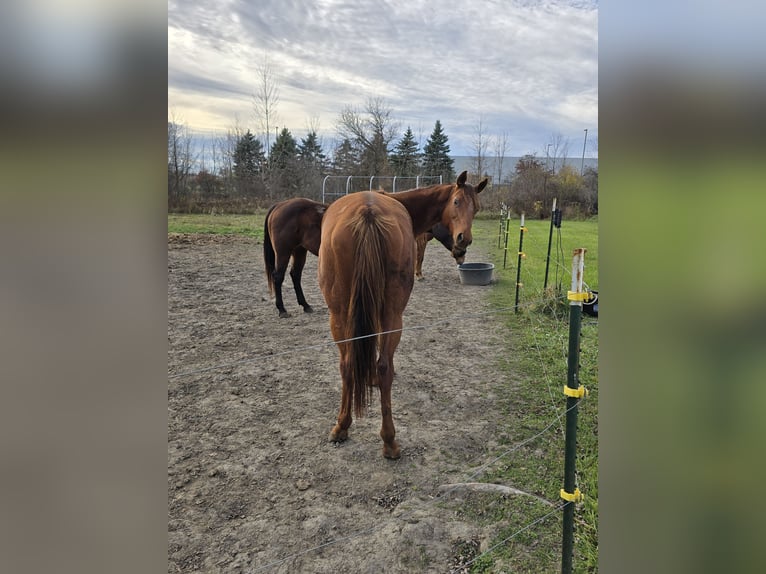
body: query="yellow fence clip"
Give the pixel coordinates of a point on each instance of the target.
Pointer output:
(523, 255)
(575, 496)
(575, 296)
(524, 229)
(577, 393)
(519, 284)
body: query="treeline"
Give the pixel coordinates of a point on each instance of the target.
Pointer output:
(236, 174)
(533, 186)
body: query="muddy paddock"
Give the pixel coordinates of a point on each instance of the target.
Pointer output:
(254, 484)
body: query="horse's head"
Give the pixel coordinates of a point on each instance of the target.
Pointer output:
(459, 212)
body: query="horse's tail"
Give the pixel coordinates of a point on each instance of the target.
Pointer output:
(269, 257)
(365, 314)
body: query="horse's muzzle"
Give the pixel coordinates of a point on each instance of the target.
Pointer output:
(459, 247)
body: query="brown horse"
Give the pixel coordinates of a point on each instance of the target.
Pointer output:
(292, 228)
(366, 274)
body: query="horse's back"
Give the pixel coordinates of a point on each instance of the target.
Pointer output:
(342, 240)
(297, 222)
(346, 215)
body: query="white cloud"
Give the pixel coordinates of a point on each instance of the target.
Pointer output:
(529, 67)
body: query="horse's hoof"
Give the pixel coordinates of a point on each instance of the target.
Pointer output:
(308, 309)
(420, 277)
(284, 314)
(338, 435)
(392, 451)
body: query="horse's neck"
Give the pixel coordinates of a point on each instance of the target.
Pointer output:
(424, 205)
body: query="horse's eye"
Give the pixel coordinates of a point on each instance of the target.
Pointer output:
(456, 202)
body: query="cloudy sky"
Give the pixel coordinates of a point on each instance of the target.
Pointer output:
(527, 69)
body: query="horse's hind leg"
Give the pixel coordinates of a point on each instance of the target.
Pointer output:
(279, 277)
(421, 242)
(299, 260)
(339, 432)
(385, 381)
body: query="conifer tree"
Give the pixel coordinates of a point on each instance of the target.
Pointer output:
(248, 163)
(436, 159)
(405, 158)
(346, 159)
(284, 150)
(310, 152)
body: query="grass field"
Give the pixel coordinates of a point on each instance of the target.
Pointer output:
(535, 366)
(250, 225)
(537, 344)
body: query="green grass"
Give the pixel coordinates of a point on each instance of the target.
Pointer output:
(228, 224)
(571, 235)
(535, 368)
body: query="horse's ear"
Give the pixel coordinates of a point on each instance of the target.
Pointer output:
(461, 179)
(482, 184)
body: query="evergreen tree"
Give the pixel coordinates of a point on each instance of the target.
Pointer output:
(284, 150)
(312, 163)
(310, 152)
(248, 156)
(405, 158)
(436, 159)
(346, 159)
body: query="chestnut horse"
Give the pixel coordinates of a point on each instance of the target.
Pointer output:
(292, 228)
(366, 274)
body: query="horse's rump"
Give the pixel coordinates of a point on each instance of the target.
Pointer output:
(288, 226)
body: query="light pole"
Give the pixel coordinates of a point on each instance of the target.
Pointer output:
(582, 163)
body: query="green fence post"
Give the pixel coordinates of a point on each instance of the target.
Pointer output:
(574, 392)
(550, 240)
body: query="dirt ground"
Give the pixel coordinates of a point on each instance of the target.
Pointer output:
(254, 484)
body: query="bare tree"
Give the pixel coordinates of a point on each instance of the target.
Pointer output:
(218, 155)
(313, 124)
(266, 99)
(371, 131)
(180, 158)
(501, 147)
(225, 153)
(560, 149)
(480, 143)
(227, 146)
(202, 164)
(421, 137)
